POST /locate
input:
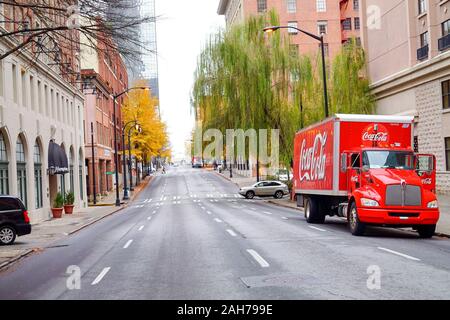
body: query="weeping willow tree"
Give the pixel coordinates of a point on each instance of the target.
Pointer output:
(250, 80)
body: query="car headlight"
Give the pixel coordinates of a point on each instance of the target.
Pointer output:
(433, 204)
(369, 203)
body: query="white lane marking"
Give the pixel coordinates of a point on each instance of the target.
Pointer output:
(128, 244)
(399, 254)
(267, 212)
(218, 220)
(149, 218)
(285, 218)
(208, 212)
(263, 263)
(253, 209)
(203, 208)
(141, 227)
(100, 276)
(154, 212)
(165, 198)
(315, 228)
(231, 232)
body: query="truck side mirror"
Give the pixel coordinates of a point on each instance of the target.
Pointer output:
(365, 168)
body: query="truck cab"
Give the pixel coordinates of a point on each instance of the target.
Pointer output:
(390, 187)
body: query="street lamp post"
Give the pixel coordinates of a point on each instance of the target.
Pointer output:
(116, 155)
(125, 188)
(324, 72)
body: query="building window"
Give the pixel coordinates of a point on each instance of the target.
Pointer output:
(357, 23)
(422, 6)
(14, 83)
(292, 25)
(446, 94)
(1, 78)
(416, 144)
(80, 174)
(424, 39)
(24, 89)
(262, 6)
(322, 27)
(446, 28)
(21, 171)
(71, 172)
(447, 153)
(291, 6)
(347, 24)
(4, 182)
(355, 4)
(37, 175)
(321, 5)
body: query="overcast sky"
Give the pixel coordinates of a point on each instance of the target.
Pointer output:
(182, 30)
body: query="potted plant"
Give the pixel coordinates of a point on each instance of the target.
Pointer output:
(58, 206)
(68, 203)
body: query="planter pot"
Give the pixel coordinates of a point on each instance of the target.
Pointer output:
(68, 209)
(57, 212)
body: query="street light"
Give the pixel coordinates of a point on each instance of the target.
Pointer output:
(125, 188)
(318, 38)
(116, 155)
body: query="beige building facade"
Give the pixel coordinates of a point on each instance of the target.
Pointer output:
(407, 44)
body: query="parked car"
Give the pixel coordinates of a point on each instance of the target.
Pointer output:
(274, 189)
(14, 220)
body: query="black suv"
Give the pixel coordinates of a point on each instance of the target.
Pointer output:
(14, 220)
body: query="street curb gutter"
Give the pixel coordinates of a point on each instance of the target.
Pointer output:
(226, 178)
(6, 264)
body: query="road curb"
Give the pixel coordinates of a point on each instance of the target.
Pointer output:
(226, 178)
(11, 261)
(284, 206)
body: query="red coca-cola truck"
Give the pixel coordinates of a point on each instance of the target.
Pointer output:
(363, 167)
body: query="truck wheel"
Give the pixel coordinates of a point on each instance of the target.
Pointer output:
(7, 235)
(278, 195)
(426, 231)
(357, 227)
(250, 195)
(312, 211)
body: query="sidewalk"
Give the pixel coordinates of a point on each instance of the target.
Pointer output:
(443, 226)
(47, 232)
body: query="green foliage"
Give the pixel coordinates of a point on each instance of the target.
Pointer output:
(59, 201)
(69, 199)
(248, 79)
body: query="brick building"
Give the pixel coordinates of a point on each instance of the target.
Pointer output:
(338, 20)
(407, 46)
(103, 74)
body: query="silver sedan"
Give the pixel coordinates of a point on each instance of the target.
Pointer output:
(274, 189)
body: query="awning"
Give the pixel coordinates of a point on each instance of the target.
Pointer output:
(57, 160)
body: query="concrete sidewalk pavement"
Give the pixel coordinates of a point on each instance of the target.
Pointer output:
(45, 233)
(443, 227)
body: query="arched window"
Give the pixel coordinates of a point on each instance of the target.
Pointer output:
(37, 175)
(71, 169)
(4, 174)
(80, 173)
(21, 171)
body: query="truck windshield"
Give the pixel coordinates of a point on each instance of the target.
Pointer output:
(388, 160)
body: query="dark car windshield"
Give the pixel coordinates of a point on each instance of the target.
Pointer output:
(388, 159)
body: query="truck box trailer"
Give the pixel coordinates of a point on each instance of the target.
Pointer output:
(364, 168)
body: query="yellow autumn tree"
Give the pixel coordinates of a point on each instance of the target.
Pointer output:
(152, 140)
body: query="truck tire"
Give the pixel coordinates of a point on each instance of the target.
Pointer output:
(357, 228)
(426, 231)
(313, 213)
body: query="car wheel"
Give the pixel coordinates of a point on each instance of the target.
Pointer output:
(312, 212)
(357, 227)
(426, 231)
(7, 235)
(278, 195)
(250, 195)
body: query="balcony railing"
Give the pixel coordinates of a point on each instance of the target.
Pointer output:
(422, 53)
(444, 43)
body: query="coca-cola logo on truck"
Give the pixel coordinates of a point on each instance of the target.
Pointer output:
(375, 135)
(313, 159)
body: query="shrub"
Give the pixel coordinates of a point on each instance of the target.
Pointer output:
(70, 198)
(59, 201)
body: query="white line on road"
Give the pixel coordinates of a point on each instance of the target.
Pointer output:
(315, 228)
(154, 212)
(128, 244)
(208, 212)
(263, 263)
(399, 254)
(267, 212)
(218, 220)
(285, 218)
(100, 276)
(141, 227)
(231, 232)
(149, 218)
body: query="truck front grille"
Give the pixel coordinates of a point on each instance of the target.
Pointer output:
(407, 196)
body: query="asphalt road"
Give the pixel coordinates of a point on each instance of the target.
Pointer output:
(187, 236)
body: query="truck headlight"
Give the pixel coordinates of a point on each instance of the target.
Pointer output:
(369, 203)
(433, 204)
